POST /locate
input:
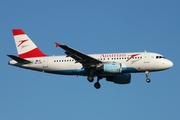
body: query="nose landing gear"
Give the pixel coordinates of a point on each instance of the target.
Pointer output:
(147, 77)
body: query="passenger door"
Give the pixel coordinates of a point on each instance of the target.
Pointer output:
(146, 57)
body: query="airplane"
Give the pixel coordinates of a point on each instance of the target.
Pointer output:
(114, 67)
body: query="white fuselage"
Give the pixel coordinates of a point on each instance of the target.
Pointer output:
(131, 62)
(114, 67)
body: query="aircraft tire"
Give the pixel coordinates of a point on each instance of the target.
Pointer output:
(148, 80)
(97, 85)
(90, 78)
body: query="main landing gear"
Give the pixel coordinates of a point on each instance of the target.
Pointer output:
(147, 77)
(97, 85)
(90, 78)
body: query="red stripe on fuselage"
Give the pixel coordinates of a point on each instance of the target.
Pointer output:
(18, 32)
(132, 56)
(33, 53)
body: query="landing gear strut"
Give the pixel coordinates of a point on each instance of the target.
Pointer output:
(147, 77)
(90, 78)
(97, 85)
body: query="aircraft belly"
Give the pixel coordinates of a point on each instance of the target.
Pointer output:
(66, 69)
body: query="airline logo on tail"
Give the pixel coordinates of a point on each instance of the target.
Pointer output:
(25, 46)
(21, 42)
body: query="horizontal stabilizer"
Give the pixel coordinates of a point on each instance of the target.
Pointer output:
(19, 60)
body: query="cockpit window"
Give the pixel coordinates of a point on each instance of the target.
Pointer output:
(158, 57)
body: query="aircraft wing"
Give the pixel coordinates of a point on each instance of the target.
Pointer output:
(78, 56)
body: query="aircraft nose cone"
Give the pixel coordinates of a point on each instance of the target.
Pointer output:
(170, 63)
(167, 64)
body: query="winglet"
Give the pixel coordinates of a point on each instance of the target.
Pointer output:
(57, 44)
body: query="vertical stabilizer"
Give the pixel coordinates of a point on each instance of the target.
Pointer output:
(25, 46)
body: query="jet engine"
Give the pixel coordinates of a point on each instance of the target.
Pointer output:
(124, 78)
(110, 67)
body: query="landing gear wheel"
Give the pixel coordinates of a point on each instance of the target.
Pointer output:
(148, 80)
(90, 78)
(147, 77)
(97, 85)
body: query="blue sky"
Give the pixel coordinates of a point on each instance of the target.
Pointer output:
(96, 26)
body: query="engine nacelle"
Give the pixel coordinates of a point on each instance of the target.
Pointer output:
(120, 79)
(112, 67)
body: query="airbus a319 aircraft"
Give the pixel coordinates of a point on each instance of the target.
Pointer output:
(114, 67)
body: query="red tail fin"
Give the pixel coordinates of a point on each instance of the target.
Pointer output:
(25, 46)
